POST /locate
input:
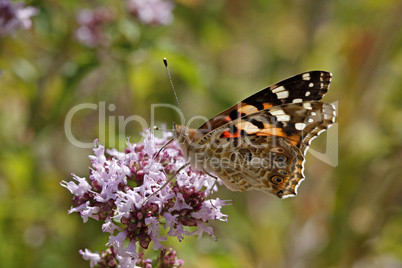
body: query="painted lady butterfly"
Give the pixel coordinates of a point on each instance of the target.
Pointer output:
(260, 143)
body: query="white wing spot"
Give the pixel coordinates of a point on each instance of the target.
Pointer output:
(283, 117)
(311, 84)
(277, 112)
(321, 85)
(282, 94)
(307, 93)
(278, 89)
(297, 100)
(310, 120)
(306, 76)
(300, 126)
(312, 113)
(308, 106)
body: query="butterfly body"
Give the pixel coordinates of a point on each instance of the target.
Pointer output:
(260, 143)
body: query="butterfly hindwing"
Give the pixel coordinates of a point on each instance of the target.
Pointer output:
(308, 86)
(265, 163)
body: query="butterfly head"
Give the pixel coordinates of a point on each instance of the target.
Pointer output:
(181, 134)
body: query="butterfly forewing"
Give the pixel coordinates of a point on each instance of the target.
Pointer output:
(308, 86)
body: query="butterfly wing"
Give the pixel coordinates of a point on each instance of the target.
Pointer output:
(308, 86)
(265, 150)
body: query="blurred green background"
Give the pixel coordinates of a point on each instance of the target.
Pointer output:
(347, 214)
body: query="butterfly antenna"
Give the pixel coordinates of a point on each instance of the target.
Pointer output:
(171, 82)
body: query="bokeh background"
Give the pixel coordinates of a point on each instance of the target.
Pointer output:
(347, 214)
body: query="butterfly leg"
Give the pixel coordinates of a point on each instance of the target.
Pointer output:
(163, 147)
(166, 182)
(210, 190)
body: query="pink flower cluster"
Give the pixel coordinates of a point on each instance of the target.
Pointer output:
(91, 29)
(13, 17)
(108, 258)
(94, 22)
(151, 11)
(125, 192)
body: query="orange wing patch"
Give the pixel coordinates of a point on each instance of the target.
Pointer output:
(267, 105)
(271, 130)
(227, 134)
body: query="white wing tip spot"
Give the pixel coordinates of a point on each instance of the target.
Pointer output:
(306, 76)
(307, 93)
(311, 85)
(282, 94)
(297, 100)
(278, 89)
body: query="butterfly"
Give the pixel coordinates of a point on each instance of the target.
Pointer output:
(260, 143)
